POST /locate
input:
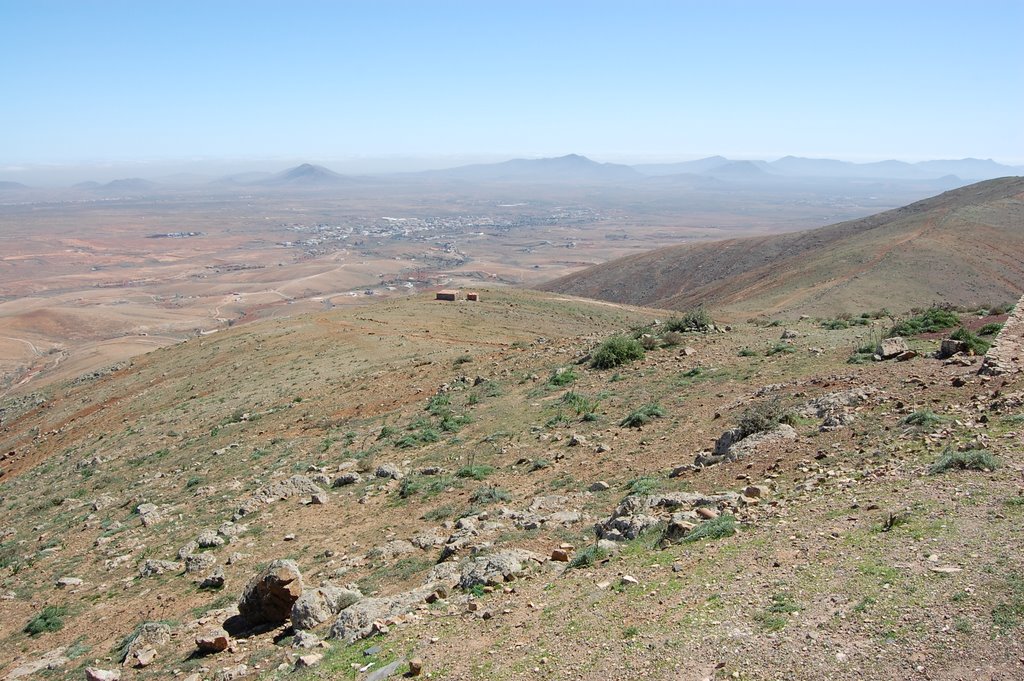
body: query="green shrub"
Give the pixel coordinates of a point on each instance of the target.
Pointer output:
(783, 348)
(642, 416)
(718, 528)
(764, 417)
(490, 495)
(580, 403)
(50, 619)
(923, 418)
(974, 344)
(616, 351)
(990, 329)
(562, 376)
(587, 557)
(476, 472)
(930, 321)
(747, 352)
(696, 319)
(972, 459)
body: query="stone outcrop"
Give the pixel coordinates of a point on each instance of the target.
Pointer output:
(270, 595)
(1006, 356)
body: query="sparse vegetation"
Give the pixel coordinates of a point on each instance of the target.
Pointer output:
(773, 618)
(475, 472)
(971, 459)
(642, 416)
(718, 528)
(697, 319)
(764, 417)
(49, 619)
(975, 345)
(923, 418)
(587, 557)
(490, 495)
(616, 351)
(780, 349)
(562, 376)
(932, 320)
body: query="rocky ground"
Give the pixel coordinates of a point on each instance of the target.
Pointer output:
(452, 490)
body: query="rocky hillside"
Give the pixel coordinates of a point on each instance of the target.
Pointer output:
(960, 247)
(507, 490)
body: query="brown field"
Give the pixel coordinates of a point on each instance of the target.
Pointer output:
(84, 283)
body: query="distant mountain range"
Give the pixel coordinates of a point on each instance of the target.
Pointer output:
(711, 172)
(961, 247)
(795, 166)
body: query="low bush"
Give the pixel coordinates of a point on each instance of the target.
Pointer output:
(616, 351)
(50, 619)
(562, 376)
(974, 344)
(642, 416)
(718, 528)
(933, 320)
(990, 329)
(476, 472)
(972, 459)
(490, 495)
(696, 319)
(764, 417)
(923, 418)
(587, 557)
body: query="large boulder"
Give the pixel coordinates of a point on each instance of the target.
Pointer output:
(142, 647)
(270, 595)
(316, 606)
(890, 347)
(495, 568)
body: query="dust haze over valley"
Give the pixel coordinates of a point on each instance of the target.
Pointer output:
(96, 273)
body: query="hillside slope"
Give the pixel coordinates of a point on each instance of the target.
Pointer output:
(441, 464)
(963, 247)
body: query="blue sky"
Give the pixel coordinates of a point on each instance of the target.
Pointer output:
(860, 80)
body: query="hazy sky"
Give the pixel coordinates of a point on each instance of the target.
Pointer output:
(860, 80)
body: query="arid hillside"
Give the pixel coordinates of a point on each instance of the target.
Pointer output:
(962, 247)
(509, 489)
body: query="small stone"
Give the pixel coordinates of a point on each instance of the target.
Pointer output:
(319, 499)
(64, 582)
(472, 606)
(213, 640)
(289, 537)
(577, 440)
(603, 585)
(214, 580)
(94, 674)
(144, 657)
(310, 660)
(560, 556)
(415, 666)
(600, 486)
(629, 580)
(707, 512)
(486, 614)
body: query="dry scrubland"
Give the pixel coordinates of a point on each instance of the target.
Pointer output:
(961, 247)
(83, 284)
(841, 553)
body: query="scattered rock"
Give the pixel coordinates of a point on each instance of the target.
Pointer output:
(297, 485)
(305, 639)
(199, 562)
(213, 640)
(316, 606)
(789, 334)
(560, 556)
(950, 347)
(310, 660)
(347, 478)
(629, 580)
(600, 486)
(232, 673)
(495, 569)
(141, 649)
(152, 567)
(270, 595)
(65, 582)
(209, 539)
(94, 674)
(214, 580)
(415, 666)
(891, 347)
(388, 471)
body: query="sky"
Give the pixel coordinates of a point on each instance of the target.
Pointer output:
(111, 81)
